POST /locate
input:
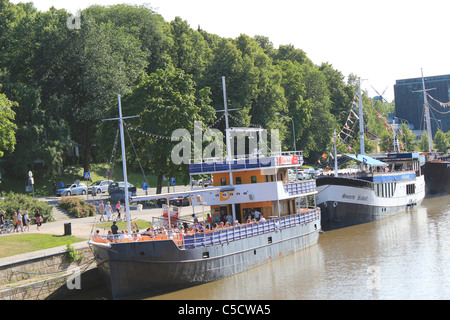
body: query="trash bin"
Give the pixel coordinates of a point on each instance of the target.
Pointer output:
(139, 207)
(68, 229)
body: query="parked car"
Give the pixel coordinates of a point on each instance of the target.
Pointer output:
(206, 182)
(318, 172)
(303, 175)
(116, 186)
(180, 201)
(72, 189)
(100, 186)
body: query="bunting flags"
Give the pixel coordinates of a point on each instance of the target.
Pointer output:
(442, 104)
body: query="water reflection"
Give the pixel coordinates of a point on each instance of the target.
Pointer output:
(403, 257)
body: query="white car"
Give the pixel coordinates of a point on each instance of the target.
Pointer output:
(303, 175)
(100, 186)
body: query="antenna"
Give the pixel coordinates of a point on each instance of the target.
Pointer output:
(427, 112)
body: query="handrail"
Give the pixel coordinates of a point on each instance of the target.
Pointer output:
(214, 237)
(247, 157)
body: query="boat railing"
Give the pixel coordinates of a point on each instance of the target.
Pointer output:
(247, 161)
(217, 236)
(304, 186)
(234, 233)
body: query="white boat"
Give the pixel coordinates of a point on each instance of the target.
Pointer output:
(384, 185)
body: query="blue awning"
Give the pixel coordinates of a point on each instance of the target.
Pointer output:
(366, 160)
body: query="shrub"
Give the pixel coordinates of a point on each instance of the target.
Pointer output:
(16, 201)
(77, 207)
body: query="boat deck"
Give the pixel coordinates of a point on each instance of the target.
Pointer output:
(215, 236)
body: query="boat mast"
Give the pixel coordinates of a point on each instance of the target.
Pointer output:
(227, 142)
(124, 166)
(335, 155)
(124, 163)
(361, 120)
(427, 115)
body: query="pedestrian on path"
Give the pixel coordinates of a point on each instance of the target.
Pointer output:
(26, 221)
(38, 219)
(118, 210)
(101, 210)
(108, 210)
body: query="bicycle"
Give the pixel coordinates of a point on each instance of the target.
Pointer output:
(7, 227)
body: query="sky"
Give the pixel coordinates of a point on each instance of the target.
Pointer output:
(379, 41)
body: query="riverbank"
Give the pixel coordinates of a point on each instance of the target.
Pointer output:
(49, 273)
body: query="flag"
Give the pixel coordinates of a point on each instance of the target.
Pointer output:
(324, 155)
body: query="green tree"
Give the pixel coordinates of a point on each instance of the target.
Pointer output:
(423, 143)
(341, 95)
(102, 61)
(7, 125)
(440, 142)
(190, 51)
(299, 109)
(165, 101)
(320, 130)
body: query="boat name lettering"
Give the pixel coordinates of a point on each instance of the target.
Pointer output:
(352, 197)
(225, 195)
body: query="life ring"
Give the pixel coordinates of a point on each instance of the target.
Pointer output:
(335, 204)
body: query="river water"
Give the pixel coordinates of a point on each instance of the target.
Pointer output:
(406, 256)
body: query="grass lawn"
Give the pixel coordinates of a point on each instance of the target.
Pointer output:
(11, 245)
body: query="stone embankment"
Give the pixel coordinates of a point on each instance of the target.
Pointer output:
(50, 275)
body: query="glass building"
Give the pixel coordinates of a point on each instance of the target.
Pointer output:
(409, 104)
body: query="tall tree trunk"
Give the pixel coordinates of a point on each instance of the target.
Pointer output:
(87, 144)
(159, 183)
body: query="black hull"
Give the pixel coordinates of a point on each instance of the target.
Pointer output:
(437, 178)
(156, 267)
(335, 215)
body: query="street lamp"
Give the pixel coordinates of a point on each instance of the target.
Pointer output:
(293, 128)
(293, 134)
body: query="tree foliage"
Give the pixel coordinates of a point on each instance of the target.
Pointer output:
(66, 80)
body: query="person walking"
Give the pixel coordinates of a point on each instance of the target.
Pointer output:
(101, 210)
(108, 210)
(26, 221)
(118, 210)
(38, 219)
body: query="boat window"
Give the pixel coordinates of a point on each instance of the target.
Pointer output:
(223, 181)
(410, 188)
(238, 180)
(253, 179)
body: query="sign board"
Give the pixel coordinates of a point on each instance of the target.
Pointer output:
(87, 175)
(144, 186)
(286, 160)
(172, 181)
